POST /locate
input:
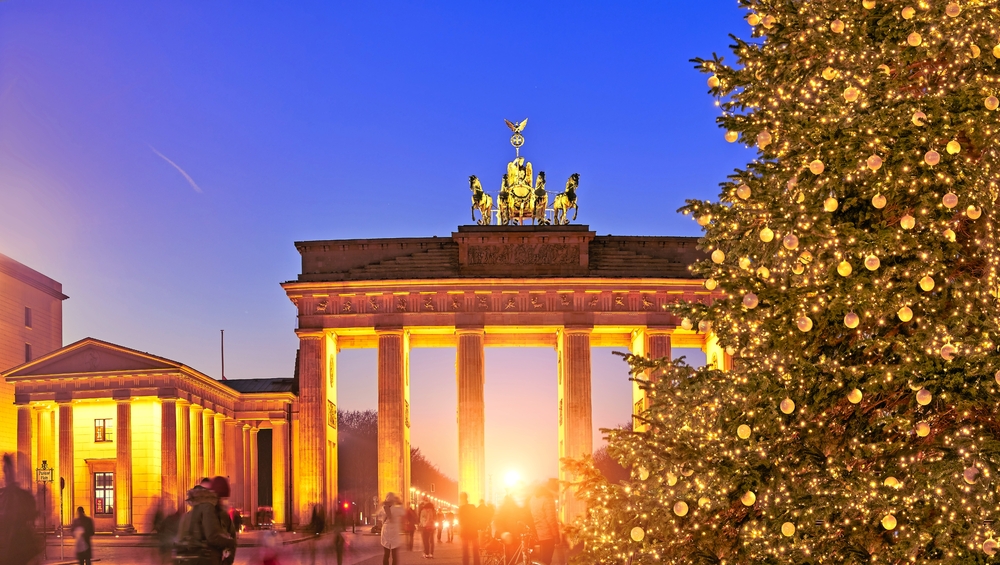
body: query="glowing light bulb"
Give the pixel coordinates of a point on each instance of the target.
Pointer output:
(636, 534)
(711, 284)
(953, 147)
(927, 284)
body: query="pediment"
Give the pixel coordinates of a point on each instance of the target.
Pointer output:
(93, 356)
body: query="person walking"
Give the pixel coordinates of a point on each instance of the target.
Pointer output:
(391, 515)
(449, 523)
(543, 515)
(83, 531)
(485, 516)
(18, 543)
(204, 538)
(339, 527)
(468, 523)
(410, 526)
(427, 517)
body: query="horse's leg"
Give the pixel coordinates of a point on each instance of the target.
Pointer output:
(576, 210)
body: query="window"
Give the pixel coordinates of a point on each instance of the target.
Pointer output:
(27, 352)
(104, 430)
(104, 494)
(27, 317)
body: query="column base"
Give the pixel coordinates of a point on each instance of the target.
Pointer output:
(124, 530)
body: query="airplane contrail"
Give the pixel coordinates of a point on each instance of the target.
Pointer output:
(187, 177)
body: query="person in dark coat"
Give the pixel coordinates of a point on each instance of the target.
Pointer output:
(202, 529)
(468, 523)
(339, 527)
(83, 531)
(18, 543)
(220, 486)
(409, 526)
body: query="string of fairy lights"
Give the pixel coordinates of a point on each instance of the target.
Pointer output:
(854, 264)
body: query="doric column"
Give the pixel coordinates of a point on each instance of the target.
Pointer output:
(239, 464)
(254, 464)
(233, 463)
(197, 444)
(249, 513)
(46, 452)
(279, 469)
(24, 474)
(653, 343)
(394, 414)
(183, 451)
(313, 385)
(208, 442)
(123, 464)
(168, 450)
(66, 460)
(575, 420)
(471, 368)
(221, 447)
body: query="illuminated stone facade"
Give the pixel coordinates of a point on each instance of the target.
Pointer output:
(485, 286)
(30, 326)
(127, 431)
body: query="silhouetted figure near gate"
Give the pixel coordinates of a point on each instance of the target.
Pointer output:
(18, 543)
(468, 523)
(391, 515)
(83, 531)
(428, 515)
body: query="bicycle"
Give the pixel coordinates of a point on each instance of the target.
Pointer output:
(493, 553)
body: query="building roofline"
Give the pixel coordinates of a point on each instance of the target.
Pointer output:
(31, 277)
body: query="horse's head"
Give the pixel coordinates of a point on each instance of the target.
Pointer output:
(474, 183)
(573, 183)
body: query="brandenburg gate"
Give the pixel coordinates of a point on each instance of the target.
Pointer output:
(559, 286)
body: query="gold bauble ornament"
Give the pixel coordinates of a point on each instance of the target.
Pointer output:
(950, 200)
(787, 406)
(743, 432)
(671, 479)
(889, 522)
(766, 235)
(971, 475)
(973, 213)
(891, 482)
(750, 300)
(637, 534)
(996, 51)
(791, 241)
(804, 323)
(975, 51)
(704, 326)
(753, 19)
(914, 39)
(844, 269)
(763, 272)
(748, 498)
(907, 222)
(800, 197)
(816, 167)
(874, 162)
(643, 473)
(996, 377)
(990, 547)
(687, 324)
(763, 139)
(830, 204)
(798, 269)
(718, 256)
(924, 397)
(713, 81)
(992, 102)
(949, 234)
(687, 471)
(952, 10)
(704, 502)
(851, 94)
(852, 320)
(854, 396)
(744, 263)
(829, 73)
(868, 4)
(681, 508)
(710, 284)
(918, 118)
(953, 147)
(948, 351)
(743, 191)
(768, 21)
(872, 262)
(908, 12)
(704, 219)
(932, 157)
(878, 201)
(905, 314)
(732, 136)
(885, 69)
(923, 429)
(805, 257)
(788, 529)
(837, 26)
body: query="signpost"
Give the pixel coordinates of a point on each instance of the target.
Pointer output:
(43, 475)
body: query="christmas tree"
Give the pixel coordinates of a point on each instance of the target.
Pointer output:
(853, 264)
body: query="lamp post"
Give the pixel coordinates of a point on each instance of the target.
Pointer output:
(43, 475)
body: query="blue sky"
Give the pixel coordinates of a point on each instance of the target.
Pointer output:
(159, 159)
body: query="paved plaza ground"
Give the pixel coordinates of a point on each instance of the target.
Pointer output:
(362, 549)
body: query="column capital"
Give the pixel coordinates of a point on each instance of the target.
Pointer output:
(309, 334)
(122, 395)
(470, 330)
(577, 330)
(197, 407)
(390, 330)
(167, 393)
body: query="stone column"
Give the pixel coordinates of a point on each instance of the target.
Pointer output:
(471, 369)
(253, 470)
(221, 447)
(66, 460)
(239, 464)
(394, 414)
(575, 420)
(168, 450)
(653, 343)
(197, 444)
(715, 355)
(123, 464)
(249, 513)
(312, 432)
(183, 451)
(46, 452)
(208, 442)
(279, 470)
(24, 471)
(233, 464)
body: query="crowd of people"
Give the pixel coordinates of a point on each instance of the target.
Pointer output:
(534, 524)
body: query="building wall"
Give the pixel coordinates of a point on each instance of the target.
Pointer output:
(87, 452)
(22, 287)
(146, 456)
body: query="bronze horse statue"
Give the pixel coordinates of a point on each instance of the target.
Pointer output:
(566, 200)
(540, 201)
(503, 203)
(481, 201)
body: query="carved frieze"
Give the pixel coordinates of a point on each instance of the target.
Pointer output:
(524, 254)
(322, 306)
(373, 303)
